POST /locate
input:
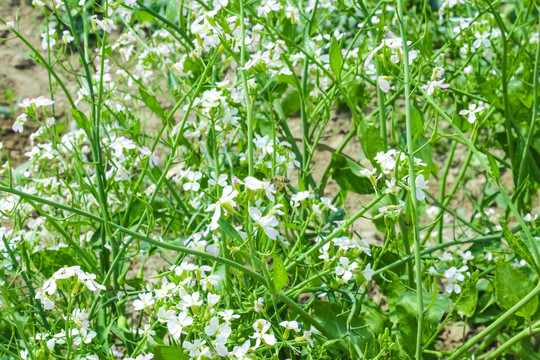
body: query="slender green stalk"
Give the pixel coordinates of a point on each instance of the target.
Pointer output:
(412, 178)
(525, 333)
(249, 120)
(532, 126)
(495, 325)
(303, 106)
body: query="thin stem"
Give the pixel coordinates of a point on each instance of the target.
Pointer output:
(412, 178)
(496, 324)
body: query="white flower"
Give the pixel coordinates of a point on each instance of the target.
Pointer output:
(384, 84)
(290, 325)
(241, 352)
(345, 269)
(421, 185)
(368, 272)
(115, 352)
(258, 305)
(106, 24)
(432, 85)
(176, 324)
(446, 256)
(473, 109)
(392, 188)
(221, 180)
(300, 196)
(228, 315)
(192, 178)
(145, 300)
(255, 184)
(267, 7)
(18, 125)
(261, 326)
(226, 199)
(164, 315)
(267, 223)
(191, 301)
(466, 256)
(328, 203)
(453, 275)
(482, 38)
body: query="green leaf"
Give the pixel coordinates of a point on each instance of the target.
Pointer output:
(347, 175)
(18, 173)
(336, 57)
(417, 121)
(279, 274)
(289, 79)
(81, 120)
(517, 244)
(229, 230)
(512, 285)
(163, 352)
(171, 12)
(152, 103)
(468, 301)
(333, 319)
(49, 261)
(291, 103)
(495, 173)
(406, 310)
(371, 141)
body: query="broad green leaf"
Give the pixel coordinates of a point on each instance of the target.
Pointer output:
(371, 141)
(279, 274)
(171, 12)
(289, 79)
(336, 57)
(517, 244)
(406, 310)
(333, 319)
(291, 103)
(468, 301)
(49, 261)
(512, 285)
(347, 175)
(152, 103)
(163, 352)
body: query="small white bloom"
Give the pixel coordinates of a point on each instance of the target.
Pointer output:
(421, 185)
(345, 269)
(145, 300)
(473, 109)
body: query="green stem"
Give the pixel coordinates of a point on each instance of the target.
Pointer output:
(527, 332)
(249, 119)
(496, 324)
(526, 152)
(412, 178)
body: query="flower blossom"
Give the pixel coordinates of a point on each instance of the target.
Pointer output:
(454, 275)
(254, 184)
(226, 200)
(267, 223)
(473, 109)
